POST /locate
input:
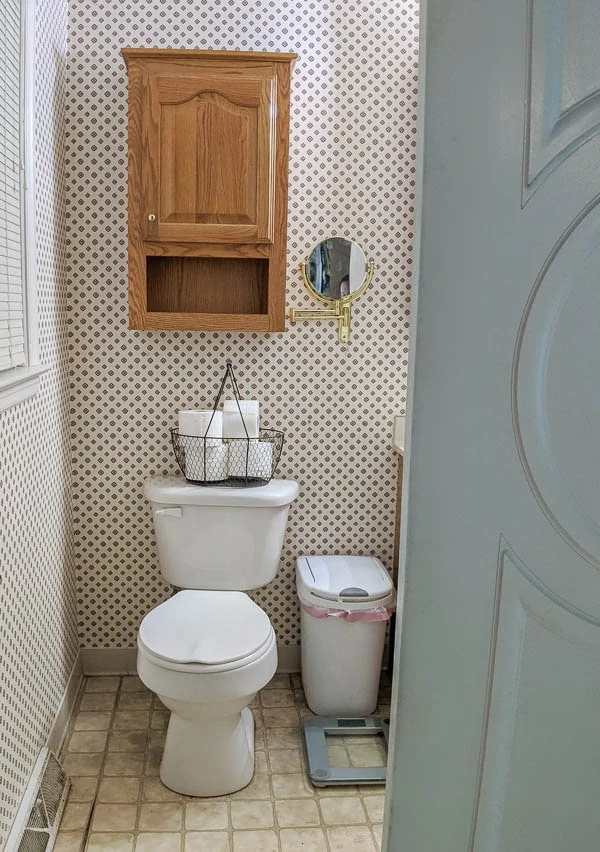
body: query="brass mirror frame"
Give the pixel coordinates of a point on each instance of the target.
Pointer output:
(341, 311)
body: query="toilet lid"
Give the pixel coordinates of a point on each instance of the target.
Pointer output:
(205, 627)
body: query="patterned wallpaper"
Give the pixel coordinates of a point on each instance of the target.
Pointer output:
(352, 173)
(38, 628)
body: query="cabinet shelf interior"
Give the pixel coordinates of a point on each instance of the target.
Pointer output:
(208, 285)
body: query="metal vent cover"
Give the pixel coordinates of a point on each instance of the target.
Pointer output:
(41, 810)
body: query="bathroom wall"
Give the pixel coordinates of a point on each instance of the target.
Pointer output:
(38, 627)
(351, 173)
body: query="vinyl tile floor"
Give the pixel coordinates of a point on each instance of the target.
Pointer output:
(118, 803)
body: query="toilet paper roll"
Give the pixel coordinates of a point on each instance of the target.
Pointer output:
(233, 421)
(201, 423)
(251, 458)
(206, 463)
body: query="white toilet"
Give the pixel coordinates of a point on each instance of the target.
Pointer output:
(209, 649)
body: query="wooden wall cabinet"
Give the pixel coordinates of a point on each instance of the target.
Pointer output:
(208, 180)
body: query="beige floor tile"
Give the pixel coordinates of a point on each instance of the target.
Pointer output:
(114, 817)
(207, 841)
(260, 762)
(303, 840)
(284, 760)
(378, 833)
(92, 722)
(357, 739)
(102, 684)
(83, 789)
(278, 681)
(153, 761)
(88, 741)
(97, 702)
(131, 720)
(119, 790)
(367, 755)
(338, 756)
(132, 683)
(259, 739)
(295, 813)
(155, 791)
(336, 792)
(343, 811)
(296, 680)
(284, 738)
(159, 719)
(82, 764)
(350, 839)
(69, 841)
(205, 815)
(156, 739)
(161, 816)
(251, 814)
(130, 741)
(292, 785)
(277, 698)
(374, 806)
(134, 701)
(75, 816)
(121, 763)
(115, 842)
(280, 717)
(255, 841)
(258, 788)
(158, 842)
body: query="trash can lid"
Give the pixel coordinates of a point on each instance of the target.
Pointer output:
(358, 580)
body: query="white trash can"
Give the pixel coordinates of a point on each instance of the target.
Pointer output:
(345, 603)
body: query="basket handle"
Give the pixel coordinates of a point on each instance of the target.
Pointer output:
(236, 392)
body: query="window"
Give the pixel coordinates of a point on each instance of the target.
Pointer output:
(19, 360)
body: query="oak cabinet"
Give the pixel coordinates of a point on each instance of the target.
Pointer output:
(208, 177)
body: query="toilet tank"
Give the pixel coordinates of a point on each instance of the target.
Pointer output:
(218, 537)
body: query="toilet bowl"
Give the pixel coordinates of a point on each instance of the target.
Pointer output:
(206, 654)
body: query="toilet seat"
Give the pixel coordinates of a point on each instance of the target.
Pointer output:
(205, 631)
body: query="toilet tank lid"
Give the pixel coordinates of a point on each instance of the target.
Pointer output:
(176, 490)
(358, 580)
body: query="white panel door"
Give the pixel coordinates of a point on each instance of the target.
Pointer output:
(496, 735)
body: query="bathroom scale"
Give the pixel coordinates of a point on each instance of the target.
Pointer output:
(320, 771)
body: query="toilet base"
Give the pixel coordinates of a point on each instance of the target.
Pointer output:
(209, 757)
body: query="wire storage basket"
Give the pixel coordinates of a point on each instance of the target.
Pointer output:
(235, 462)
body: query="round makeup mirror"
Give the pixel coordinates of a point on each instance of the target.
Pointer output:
(337, 270)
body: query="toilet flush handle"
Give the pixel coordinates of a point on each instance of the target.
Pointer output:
(172, 512)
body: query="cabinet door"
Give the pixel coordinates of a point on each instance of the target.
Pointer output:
(208, 158)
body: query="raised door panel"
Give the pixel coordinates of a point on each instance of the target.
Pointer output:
(209, 164)
(538, 777)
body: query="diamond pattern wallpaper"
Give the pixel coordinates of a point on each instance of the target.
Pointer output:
(352, 173)
(38, 627)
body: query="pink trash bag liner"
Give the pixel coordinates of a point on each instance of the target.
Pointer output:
(382, 613)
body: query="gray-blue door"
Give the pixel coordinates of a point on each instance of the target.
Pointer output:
(496, 742)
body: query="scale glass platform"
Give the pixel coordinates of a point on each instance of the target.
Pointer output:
(320, 771)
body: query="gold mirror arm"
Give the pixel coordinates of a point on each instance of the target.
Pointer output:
(341, 313)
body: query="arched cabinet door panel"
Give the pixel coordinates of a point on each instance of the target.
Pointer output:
(208, 170)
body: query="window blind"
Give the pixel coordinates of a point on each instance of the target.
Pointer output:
(12, 308)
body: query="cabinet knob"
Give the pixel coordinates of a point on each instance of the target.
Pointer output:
(151, 217)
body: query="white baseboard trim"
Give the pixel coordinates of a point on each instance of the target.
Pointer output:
(109, 661)
(122, 661)
(57, 734)
(288, 660)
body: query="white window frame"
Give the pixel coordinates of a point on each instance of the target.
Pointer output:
(20, 383)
